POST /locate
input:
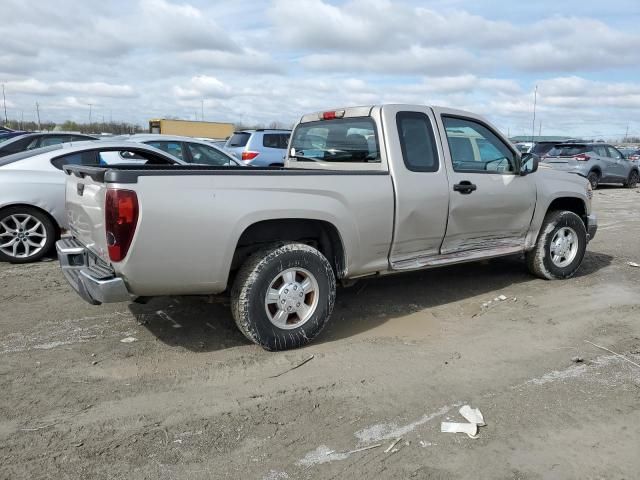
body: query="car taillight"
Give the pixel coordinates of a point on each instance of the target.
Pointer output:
(120, 220)
(582, 157)
(634, 157)
(248, 156)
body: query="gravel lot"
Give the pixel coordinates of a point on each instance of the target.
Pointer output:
(192, 399)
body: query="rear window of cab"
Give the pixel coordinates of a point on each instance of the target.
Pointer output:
(338, 140)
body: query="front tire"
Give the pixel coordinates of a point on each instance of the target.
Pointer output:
(26, 234)
(560, 247)
(633, 179)
(283, 296)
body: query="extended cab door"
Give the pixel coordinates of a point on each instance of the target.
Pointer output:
(491, 205)
(420, 184)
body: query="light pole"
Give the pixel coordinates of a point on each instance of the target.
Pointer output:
(202, 110)
(4, 102)
(90, 106)
(533, 124)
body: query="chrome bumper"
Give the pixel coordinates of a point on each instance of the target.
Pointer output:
(592, 226)
(95, 283)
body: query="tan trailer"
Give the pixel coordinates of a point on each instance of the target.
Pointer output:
(190, 128)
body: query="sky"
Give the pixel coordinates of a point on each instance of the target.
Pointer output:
(257, 62)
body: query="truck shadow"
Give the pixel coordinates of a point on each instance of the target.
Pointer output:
(201, 324)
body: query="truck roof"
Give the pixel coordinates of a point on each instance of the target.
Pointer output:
(365, 111)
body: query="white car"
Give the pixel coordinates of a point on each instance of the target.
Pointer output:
(32, 196)
(187, 149)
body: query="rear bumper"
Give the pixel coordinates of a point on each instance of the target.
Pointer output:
(95, 283)
(592, 226)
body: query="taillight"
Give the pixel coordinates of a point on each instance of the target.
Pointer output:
(634, 157)
(582, 157)
(120, 220)
(332, 115)
(248, 156)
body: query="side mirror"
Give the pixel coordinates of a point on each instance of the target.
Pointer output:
(528, 164)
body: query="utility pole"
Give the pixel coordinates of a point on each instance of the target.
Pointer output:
(202, 111)
(540, 129)
(90, 106)
(626, 134)
(4, 102)
(38, 114)
(21, 119)
(533, 124)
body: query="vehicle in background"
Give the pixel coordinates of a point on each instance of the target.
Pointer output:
(523, 147)
(32, 141)
(365, 191)
(188, 128)
(32, 192)
(187, 149)
(259, 148)
(6, 135)
(631, 153)
(598, 162)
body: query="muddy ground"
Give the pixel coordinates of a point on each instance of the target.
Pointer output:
(192, 399)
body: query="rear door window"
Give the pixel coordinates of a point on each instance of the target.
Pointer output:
(238, 139)
(600, 151)
(206, 155)
(339, 140)
(417, 142)
(172, 148)
(275, 140)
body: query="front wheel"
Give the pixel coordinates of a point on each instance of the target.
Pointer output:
(632, 180)
(283, 296)
(560, 247)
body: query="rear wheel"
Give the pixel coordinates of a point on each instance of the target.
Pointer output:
(283, 296)
(560, 247)
(26, 234)
(632, 179)
(594, 179)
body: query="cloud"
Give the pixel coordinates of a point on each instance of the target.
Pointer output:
(203, 86)
(99, 89)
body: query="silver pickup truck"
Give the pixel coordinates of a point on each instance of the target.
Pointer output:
(365, 191)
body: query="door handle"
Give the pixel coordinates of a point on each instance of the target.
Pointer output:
(465, 187)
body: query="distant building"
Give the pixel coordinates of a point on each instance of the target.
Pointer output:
(190, 128)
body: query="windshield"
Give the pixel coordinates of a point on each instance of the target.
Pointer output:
(339, 140)
(541, 149)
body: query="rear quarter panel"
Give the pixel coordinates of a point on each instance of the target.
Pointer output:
(189, 225)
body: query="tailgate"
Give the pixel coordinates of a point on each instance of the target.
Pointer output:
(85, 197)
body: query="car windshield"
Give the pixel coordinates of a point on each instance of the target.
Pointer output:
(567, 150)
(339, 140)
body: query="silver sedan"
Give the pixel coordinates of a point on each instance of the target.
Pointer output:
(32, 191)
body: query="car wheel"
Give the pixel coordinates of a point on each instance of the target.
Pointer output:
(633, 179)
(560, 247)
(594, 179)
(26, 234)
(283, 296)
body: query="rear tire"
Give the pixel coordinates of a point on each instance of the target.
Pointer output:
(283, 296)
(594, 179)
(632, 180)
(560, 247)
(26, 234)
